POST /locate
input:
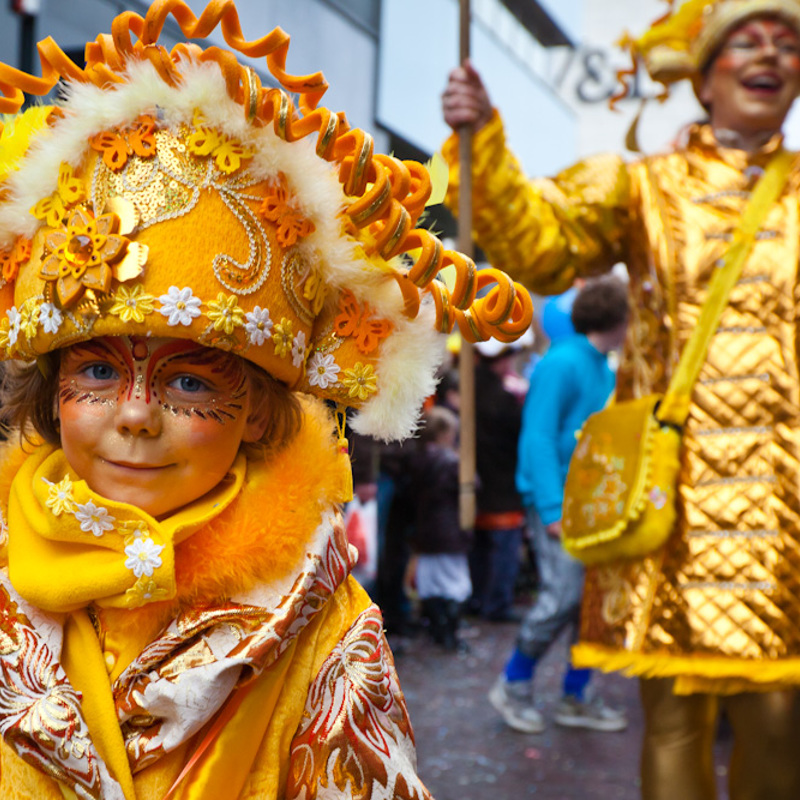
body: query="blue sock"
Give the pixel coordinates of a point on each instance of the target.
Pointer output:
(576, 681)
(520, 667)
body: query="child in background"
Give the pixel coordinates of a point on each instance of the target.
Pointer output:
(441, 575)
(186, 280)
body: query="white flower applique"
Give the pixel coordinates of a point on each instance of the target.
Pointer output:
(258, 326)
(299, 349)
(94, 519)
(323, 371)
(180, 306)
(50, 318)
(144, 556)
(14, 323)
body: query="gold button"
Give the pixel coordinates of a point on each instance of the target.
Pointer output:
(111, 660)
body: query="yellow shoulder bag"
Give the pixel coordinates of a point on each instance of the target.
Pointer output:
(619, 496)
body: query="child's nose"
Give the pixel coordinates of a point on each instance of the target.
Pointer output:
(139, 416)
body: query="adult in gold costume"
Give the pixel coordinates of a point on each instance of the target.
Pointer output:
(712, 620)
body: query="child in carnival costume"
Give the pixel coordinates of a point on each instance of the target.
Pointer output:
(191, 267)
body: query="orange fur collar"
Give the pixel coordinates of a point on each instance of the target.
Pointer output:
(264, 533)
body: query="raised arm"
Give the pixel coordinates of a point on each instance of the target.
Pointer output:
(544, 232)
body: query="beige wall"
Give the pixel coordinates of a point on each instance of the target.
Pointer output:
(590, 75)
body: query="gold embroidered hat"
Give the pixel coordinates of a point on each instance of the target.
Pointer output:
(171, 194)
(680, 44)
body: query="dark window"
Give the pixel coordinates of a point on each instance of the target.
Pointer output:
(365, 13)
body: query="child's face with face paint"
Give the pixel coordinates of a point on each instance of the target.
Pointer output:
(155, 422)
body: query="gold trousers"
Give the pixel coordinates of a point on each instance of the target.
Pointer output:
(677, 761)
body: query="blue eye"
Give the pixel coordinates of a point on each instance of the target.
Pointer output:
(101, 372)
(189, 384)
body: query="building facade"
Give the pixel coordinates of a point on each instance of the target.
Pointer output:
(386, 60)
(550, 65)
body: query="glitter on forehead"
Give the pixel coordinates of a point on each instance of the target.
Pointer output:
(168, 184)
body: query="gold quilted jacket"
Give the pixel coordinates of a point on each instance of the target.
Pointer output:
(719, 606)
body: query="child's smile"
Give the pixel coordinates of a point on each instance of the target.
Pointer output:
(156, 422)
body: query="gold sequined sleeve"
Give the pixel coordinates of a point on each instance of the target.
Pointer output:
(546, 232)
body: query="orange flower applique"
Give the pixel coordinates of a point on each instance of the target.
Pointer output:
(70, 191)
(117, 145)
(275, 207)
(14, 257)
(79, 255)
(359, 323)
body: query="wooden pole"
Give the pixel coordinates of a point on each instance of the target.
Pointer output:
(466, 366)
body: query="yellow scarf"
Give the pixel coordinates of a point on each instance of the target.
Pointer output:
(68, 546)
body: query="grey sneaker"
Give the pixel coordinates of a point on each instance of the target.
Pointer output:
(514, 701)
(593, 714)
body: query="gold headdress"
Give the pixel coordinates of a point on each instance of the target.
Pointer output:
(680, 44)
(171, 193)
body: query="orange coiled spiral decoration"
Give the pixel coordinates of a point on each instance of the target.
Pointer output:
(387, 195)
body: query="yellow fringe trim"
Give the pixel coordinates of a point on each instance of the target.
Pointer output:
(730, 675)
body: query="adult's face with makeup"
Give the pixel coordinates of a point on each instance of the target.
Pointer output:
(155, 422)
(753, 80)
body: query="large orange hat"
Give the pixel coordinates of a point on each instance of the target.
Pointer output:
(171, 194)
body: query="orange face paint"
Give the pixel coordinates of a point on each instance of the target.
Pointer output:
(154, 422)
(753, 81)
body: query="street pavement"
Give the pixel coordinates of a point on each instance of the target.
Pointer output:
(465, 751)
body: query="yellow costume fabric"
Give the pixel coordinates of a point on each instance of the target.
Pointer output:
(56, 566)
(717, 606)
(256, 669)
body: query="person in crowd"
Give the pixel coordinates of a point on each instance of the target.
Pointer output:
(500, 520)
(556, 315)
(447, 390)
(360, 514)
(708, 621)
(395, 526)
(440, 566)
(572, 381)
(180, 301)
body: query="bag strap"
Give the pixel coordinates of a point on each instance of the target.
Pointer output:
(674, 407)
